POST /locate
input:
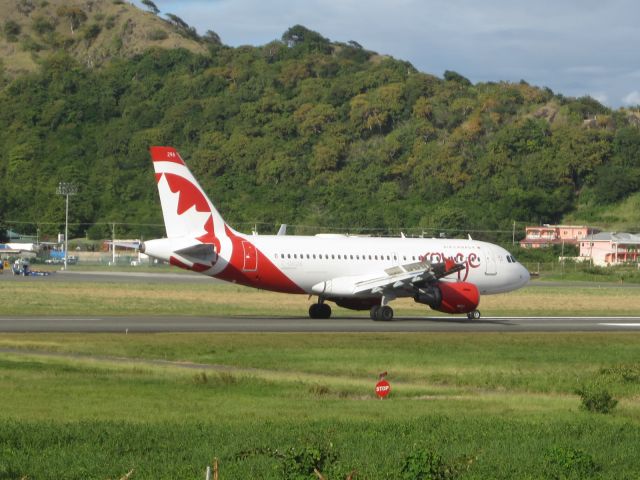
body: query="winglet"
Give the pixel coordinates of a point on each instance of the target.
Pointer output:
(165, 154)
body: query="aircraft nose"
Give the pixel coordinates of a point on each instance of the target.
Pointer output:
(524, 274)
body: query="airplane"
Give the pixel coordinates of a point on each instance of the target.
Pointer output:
(354, 272)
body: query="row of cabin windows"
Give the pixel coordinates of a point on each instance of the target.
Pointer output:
(326, 256)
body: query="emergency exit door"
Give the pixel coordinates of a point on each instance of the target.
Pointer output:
(250, 257)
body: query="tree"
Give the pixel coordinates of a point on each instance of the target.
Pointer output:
(212, 38)
(307, 40)
(151, 6)
(75, 16)
(183, 26)
(177, 21)
(451, 76)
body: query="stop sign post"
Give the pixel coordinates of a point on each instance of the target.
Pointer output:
(382, 389)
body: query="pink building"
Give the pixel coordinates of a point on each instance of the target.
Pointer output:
(611, 248)
(546, 235)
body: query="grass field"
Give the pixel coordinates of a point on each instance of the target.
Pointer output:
(489, 405)
(272, 406)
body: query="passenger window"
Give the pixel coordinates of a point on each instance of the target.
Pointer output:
(351, 257)
(288, 255)
(314, 256)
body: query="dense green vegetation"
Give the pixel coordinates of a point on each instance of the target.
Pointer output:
(308, 132)
(478, 406)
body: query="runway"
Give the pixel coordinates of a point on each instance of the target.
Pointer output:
(102, 276)
(292, 324)
(299, 324)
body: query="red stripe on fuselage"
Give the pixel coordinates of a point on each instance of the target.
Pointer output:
(267, 276)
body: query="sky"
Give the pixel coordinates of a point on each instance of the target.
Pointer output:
(574, 47)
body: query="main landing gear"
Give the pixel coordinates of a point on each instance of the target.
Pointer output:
(381, 313)
(475, 315)
(319, 310)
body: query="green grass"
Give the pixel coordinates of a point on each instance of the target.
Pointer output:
(96, 406)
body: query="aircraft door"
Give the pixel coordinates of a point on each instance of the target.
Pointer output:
(490, 262)
(250, 257)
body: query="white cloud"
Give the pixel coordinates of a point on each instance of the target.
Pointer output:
(601, 97)
(632, 98)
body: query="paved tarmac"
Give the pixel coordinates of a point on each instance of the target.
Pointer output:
(298, 324)
(188, 277)
(303, 324)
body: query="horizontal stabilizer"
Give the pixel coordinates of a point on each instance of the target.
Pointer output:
(203, 253)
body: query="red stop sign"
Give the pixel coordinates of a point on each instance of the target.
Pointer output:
(383, 388)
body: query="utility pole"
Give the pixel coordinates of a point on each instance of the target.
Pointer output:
(513, 234)
(113, 244)
(66, 189)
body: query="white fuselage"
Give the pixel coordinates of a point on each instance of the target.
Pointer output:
(308, 261)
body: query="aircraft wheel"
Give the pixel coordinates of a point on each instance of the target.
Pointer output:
(475, 315)
(314, 310)
(325, 310)
(319, 310)
(385, 313)
(373, 313)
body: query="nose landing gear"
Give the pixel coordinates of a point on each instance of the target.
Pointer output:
(319, 310)
(474, 315)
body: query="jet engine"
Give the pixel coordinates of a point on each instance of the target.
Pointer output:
(450, 297)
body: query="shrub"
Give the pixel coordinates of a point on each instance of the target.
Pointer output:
(425, 465)
(157, 34)
(297, 463)
(300, 463)
(11, 30)
(110, 22)
(92, 31)
(568, 463)
(596, 399)
(43, 25)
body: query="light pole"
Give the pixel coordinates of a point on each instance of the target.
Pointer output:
(66, 189)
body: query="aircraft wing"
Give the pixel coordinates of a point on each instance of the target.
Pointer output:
(393, 280)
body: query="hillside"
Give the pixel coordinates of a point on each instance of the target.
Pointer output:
(303, 131)
(93, 32)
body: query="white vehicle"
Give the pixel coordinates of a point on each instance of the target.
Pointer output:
(360, 273)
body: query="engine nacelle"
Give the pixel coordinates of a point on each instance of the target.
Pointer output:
(450, 297)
